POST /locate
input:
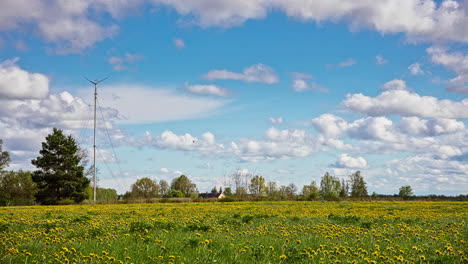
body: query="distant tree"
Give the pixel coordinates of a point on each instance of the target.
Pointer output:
(214, 190)
(241, 179)
(220, 190)
(164, 188)
(176, 194)
(358, 185)
(183, 184)
(145, 188)
(344, 189)
(228, 191)
(310, 192)
(60, 176)
(241, 192)
(17, 188)
(257, 186)
(330, 187)
(272, 187)
(374, 195)
(4, 157)
(282, 191)
(104, 194)
(405, 192)
(291, 190)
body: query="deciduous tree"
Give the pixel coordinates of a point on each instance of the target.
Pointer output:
(257, 186)
(4, 157)
(358, 185)
(145, 188)
(329, 187)
(17, 188)
(183, 184)
(405, 192)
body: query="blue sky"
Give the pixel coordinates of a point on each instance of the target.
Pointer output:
(283, 89)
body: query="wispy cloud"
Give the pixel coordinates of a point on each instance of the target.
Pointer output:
(209, 89)
(124, 63)
(179, 43)
(256, 73)
(380, 60)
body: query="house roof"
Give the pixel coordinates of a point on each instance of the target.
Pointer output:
(209, 195)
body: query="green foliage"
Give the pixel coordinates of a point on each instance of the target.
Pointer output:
(358, 185)
(59, 175)
(4, 157)
(140, 227)
(405, 192)
(257, 186)
(311, 192)
(330, 187)
(184, 185)
(102, 194)
(145, 188)
(176, 194)
(17, 188)
(228, 192)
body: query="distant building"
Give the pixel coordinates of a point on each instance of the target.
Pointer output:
(212, 195)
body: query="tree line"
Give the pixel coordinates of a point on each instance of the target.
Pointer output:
(62, 178)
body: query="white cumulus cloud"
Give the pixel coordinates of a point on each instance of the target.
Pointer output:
(16, 83)
(346, 161)
(405, 103)
(395, 84)
(456, 62)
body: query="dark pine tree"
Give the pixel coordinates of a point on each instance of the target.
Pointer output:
(59, 176)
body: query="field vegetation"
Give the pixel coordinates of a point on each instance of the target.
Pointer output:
(238, 232)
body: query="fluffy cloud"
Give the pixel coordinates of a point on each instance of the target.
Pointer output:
(207, 89)
(123, 63)
(405, 103)
(255, 73)
(16, 83)
(373, 128)
(415, 69)
(457, 62)
(395, 84)
(346, 161)
(205, 144)
(428, 174)
(68, 25)
(283, 144)
(72, 28)
(304, 82)
(433, 127)
(418, 19)
(330, 125)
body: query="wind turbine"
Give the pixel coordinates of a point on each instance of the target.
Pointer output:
(96, 82)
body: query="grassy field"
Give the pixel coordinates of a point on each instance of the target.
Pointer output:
(257, 232)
